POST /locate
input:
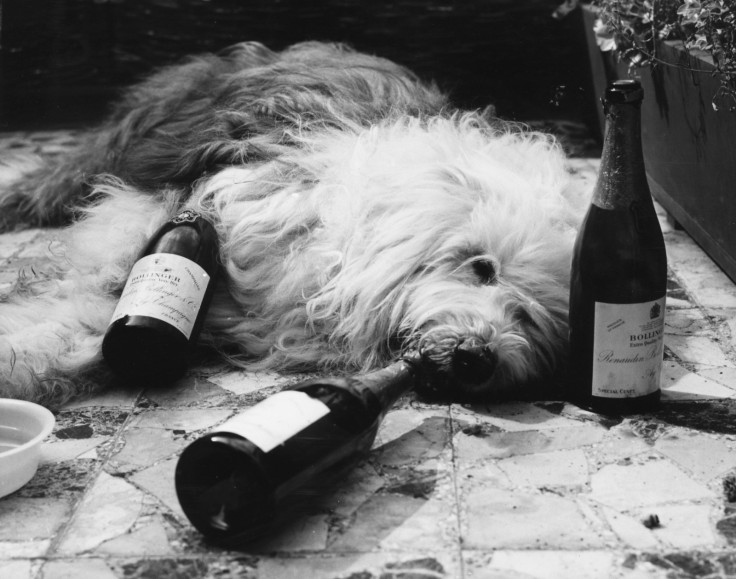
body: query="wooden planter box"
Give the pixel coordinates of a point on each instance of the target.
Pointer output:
(689, 148)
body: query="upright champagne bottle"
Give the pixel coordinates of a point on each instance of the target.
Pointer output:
(163, 304)
(619, 274)
(233, 482)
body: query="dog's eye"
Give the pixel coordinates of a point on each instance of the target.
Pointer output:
(485, 270)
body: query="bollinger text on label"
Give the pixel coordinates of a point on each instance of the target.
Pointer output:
(167, 287)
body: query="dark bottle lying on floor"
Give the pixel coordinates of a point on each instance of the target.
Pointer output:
(163, 304)
(232, 483)
(619, 274)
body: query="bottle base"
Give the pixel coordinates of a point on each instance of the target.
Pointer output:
(140, 352)
(223, 490)
(622, 406)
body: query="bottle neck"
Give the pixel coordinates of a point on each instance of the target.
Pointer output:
(389, 384)
(622, 177)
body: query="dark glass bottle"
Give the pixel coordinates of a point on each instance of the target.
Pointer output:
(232, 483)
(163, 304)
(619, 274)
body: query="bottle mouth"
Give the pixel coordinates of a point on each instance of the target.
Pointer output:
(624, 91)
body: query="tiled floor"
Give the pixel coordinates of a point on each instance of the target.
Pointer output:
(514, 490)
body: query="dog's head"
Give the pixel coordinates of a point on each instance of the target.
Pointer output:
(487, 321)
(450, 237)
(459, 247)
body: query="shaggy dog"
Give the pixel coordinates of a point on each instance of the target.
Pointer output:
(359, 217)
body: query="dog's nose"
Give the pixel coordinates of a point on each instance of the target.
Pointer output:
(473, 363)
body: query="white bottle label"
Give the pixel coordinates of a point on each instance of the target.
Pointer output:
(628, 344)
(275, 420)
(167, 287)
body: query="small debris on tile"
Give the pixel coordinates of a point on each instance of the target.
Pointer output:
(77, 432)
(729, 487)
(651, 521)
(474, 430)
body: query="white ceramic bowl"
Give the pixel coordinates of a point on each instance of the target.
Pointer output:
(23, 425)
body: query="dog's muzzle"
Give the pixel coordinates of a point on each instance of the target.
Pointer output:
(453, 361)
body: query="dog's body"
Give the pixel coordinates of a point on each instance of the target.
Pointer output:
(359, 217)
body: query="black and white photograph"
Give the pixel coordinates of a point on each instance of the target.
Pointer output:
(404, 289)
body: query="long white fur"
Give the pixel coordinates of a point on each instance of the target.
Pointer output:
(364, 235)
